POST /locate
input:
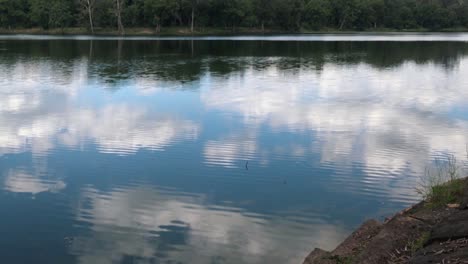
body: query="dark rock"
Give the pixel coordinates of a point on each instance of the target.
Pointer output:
(464, 203)
(454, 227)
(452, 251)
(464, 198)
(432, 216)
(442, 258)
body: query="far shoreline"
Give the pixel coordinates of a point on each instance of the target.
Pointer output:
(204, 32)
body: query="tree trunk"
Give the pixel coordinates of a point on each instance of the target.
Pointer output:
(90, 14)
(158, 27)
(298, 22)
(343, 21)
(263, 27)
(179, 19)
(193, 19)
(119, 18)
(88, 6)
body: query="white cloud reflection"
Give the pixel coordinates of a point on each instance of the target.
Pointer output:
(39, 178)
(386, 121)
(134, 221)
(20, 181)
(36, 113)
(123, 129)
(228, 151)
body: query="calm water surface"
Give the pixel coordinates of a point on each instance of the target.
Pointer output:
(217, 150)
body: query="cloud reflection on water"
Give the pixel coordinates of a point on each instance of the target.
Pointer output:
(35, 116)
(372, 127)
(387, 122)
(147, 222)
(20, 181)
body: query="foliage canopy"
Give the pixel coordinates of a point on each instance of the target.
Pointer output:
(292, 15)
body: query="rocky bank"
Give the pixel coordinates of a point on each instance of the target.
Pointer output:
(420, 234)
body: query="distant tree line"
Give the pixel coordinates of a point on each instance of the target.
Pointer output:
(289, 15)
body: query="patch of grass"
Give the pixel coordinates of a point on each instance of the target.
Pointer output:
(419, 243)
(446, 193)
(441, 184)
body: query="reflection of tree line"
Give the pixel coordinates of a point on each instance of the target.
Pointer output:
(185, 61)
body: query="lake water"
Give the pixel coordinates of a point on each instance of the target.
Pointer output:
(217, 150)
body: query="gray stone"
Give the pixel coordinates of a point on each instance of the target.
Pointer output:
(453, 251)
(455, 226)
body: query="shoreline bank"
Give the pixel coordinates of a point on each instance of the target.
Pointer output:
(419, 234)
(180, 31)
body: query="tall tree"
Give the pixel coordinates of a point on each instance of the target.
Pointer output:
(290, 15)
(39, 13)
(264, 12)
(60, 14)
(234, 12)
(194, 4)
(317, 13)
(345, 12)
(156, 11)
(118, 9)
(12, 13)
(88, 6)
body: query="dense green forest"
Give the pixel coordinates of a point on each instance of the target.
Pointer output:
(284, 15)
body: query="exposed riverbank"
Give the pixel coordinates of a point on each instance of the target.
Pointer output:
(183, 31)
(424, 233)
